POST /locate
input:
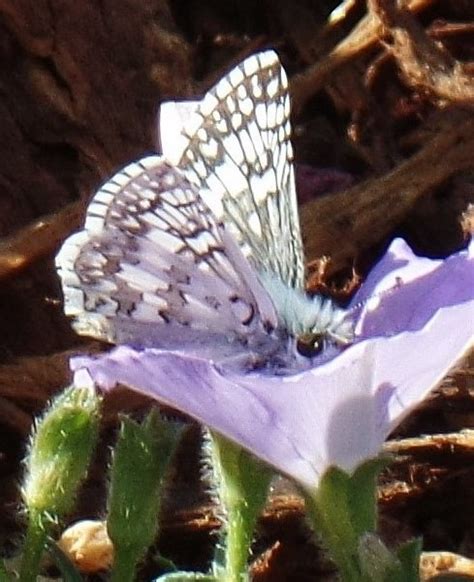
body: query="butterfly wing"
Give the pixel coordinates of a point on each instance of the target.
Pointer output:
(239, 155)
(154, 266)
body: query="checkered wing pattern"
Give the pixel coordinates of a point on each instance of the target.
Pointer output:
(239, 156)
(154, 263)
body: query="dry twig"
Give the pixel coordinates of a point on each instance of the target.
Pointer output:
(37, 240)
(424, 65)
(362, 38)
(346, 223)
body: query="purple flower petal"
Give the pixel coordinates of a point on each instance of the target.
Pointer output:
(340, 412)
(403, 291)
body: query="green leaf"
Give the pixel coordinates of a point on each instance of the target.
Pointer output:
(362, 494)
(137, 476)
(409, 556)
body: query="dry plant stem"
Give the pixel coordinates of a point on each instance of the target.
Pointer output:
(368, 211)
(362, 38)
(425, 463)
(37, 239)
(32, 380)
(434, 564)
(344, 224)
(452, 443)
(14, 417)
(424, 65)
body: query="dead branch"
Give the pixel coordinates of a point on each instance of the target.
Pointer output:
(344, 224)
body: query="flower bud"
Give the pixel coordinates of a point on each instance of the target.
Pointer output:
(60, 451)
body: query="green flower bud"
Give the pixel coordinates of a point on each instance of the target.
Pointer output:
(59, 454)
(60, 451)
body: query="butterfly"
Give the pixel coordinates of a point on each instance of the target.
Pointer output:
(206, 256)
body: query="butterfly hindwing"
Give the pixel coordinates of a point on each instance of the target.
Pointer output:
(154, 262)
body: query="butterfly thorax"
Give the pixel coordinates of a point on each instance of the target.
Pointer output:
(311, 321)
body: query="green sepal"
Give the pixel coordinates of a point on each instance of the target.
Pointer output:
(377, 562)
(362, 494)
(329, 510)
(409, 555)
(137, 476)
(343, 509)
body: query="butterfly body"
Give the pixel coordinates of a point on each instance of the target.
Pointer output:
(206, 256)
(302, 315)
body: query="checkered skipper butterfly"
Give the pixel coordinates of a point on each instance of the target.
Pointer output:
(206, 255)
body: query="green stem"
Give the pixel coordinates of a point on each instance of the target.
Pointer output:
(34, 546)
(4, 575)
(242, 484)
(62, 562)
(345, 561)
(125, 562)
(238, 540)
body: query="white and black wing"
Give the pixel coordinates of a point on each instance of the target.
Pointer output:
(153, 265)
(239, 155)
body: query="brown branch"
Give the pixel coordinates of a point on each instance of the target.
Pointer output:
(31, 381)
(362, 38)
(343, 224)
(38, 239)
(13, 417)
(423, 63)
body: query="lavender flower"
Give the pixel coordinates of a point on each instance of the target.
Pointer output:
(415, 325)
(193, 259)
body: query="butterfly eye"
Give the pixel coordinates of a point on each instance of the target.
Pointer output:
(310, 345)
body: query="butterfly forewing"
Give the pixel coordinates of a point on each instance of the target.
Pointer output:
(239, 155)
(154, 263)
